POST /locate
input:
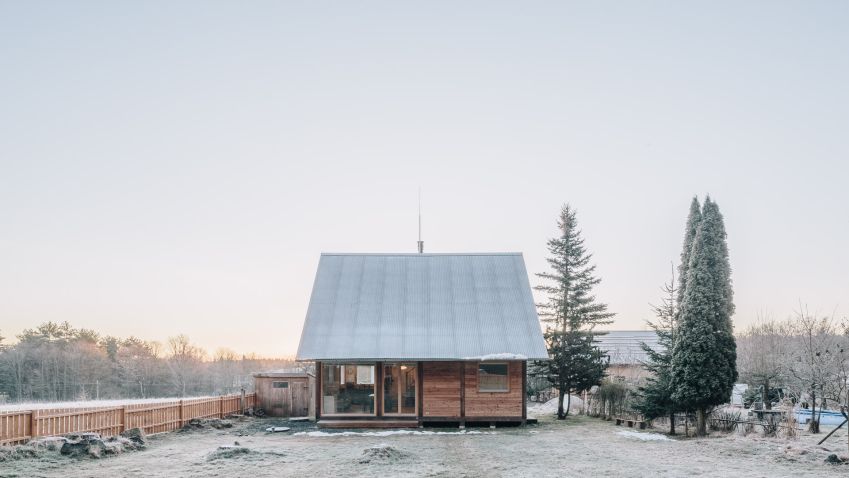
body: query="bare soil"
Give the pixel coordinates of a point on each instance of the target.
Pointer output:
(579, 446)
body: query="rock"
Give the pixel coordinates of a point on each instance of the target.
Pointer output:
(219, 424)
(277, 429)
(135, 435)
(833, 459)
(83, 444)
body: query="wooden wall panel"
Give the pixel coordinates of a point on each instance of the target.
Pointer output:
(441, 389)
(494, 404)
(294, 401)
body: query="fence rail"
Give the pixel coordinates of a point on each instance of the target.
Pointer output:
(158, 417)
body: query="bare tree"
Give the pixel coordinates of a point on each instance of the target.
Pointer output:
(814, 362)
(183, 361)
(762, 354)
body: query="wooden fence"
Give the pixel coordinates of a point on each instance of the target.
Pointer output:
(156, 417)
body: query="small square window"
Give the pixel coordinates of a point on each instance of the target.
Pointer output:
(280, 384)
(493, 377)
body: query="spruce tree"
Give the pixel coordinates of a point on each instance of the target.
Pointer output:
(656, 395)
(704, 355)
(571, 313)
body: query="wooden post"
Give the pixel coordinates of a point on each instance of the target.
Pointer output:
(242, 401)
(378, 389)
(33, 424)
(317, 390)
(221, 406)
(462, 389)
(123, 418)
(181, 413)
(524, 392)
(420, 393)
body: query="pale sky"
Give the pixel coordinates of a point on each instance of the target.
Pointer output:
(171, 167)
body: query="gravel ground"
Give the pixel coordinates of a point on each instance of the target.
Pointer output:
(580, 446)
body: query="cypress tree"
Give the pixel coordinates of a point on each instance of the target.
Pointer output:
(704, 355)
(694, 218)
(570, 314)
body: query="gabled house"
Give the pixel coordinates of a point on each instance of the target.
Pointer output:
(405, 339)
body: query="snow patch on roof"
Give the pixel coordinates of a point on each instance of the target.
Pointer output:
(499, 356)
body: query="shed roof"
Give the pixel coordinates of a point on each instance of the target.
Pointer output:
(421, 306)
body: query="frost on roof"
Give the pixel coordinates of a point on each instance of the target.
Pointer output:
(420, 306)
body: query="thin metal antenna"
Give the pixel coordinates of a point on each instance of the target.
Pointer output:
(420, 243)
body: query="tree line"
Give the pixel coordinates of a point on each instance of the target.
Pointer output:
(58, 362)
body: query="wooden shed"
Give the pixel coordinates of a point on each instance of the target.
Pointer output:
(285, 394)
(409, 339)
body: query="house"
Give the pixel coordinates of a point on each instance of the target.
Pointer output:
(624, 347)
(408, 339)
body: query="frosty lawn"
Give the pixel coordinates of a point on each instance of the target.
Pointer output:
(579, 446)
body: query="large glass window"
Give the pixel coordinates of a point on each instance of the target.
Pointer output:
(493, 377)
(347, 389)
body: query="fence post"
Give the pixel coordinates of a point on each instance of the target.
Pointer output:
(123, 418)
(33, 424)
(181, 413)
(242, 401)
(221, 406)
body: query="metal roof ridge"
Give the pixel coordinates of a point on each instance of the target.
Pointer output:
(416, 254)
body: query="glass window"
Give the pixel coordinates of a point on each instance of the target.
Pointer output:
(347, 389)
(399, 389)
(280, 384)
(493, 377)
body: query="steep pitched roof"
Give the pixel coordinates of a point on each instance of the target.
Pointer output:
(421, 306)
(624, 346)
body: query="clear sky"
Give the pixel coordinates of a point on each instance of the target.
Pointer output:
(173, 167)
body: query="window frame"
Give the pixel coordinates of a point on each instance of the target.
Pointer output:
(507, 377)
(275, 382)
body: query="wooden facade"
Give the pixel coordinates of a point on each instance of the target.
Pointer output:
(446, 391)
(282, 394)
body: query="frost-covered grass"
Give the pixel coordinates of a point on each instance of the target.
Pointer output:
(643, 436)
(386, 433)
(578, 446)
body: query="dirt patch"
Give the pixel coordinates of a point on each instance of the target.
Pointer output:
(382, 454)
(228, 452)
(237, 450)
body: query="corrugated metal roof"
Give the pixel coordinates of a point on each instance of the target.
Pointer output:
(623, 346)
(420, 306)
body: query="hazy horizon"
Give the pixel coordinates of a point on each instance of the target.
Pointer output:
(178, 168)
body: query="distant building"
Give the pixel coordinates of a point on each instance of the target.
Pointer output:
(626, 353)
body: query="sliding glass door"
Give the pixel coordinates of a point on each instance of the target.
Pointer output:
(399, 389)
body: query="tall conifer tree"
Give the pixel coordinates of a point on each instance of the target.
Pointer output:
(704, 355)
(694, 218)
(571, 313)
(656, 394)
